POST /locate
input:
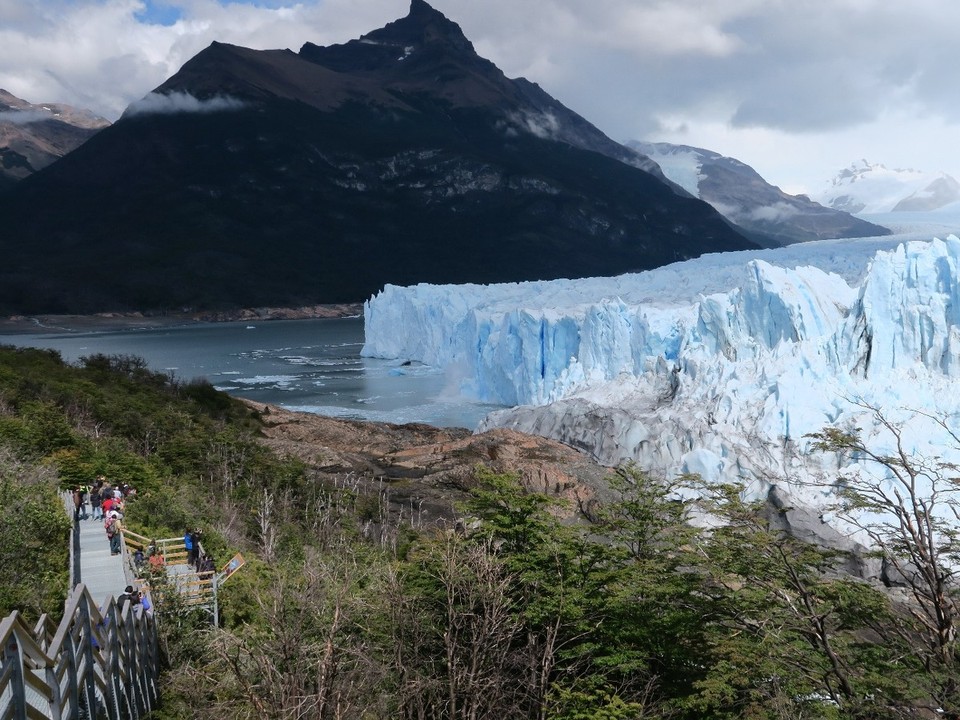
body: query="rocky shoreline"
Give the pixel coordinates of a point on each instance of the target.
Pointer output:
(35, 324)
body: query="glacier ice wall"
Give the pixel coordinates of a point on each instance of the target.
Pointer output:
(718, 366)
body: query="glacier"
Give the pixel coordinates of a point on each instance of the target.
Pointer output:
(719, 366)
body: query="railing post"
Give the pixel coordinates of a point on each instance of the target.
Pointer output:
(56, 696)
(13, 662)
(89, 631)
(112, 669)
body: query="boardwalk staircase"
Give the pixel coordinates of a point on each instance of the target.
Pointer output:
(102, 661)
(94, 664)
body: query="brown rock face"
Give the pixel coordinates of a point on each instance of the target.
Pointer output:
(432, 467)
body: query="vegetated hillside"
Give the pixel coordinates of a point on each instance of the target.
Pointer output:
(360, 601)
(286, 179)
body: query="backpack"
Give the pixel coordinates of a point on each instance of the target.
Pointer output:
(110, 524)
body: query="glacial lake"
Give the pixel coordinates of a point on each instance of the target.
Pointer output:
(307, 365)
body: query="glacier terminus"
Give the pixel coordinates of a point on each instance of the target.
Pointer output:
(719, 366)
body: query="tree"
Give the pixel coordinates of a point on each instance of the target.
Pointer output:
(908, 507)
(34, 539)
(307, 653)
(790, 636)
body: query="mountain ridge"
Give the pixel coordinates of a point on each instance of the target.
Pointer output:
(739, 193)
(263, 178)
(32, 136)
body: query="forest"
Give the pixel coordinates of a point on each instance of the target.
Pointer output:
(520, 608)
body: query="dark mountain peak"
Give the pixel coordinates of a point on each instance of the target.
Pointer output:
(399, 157)
(425, 38)
(422, 26)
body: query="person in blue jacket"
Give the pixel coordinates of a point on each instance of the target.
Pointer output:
(188, 544)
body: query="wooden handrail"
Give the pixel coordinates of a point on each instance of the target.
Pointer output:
(96, 663)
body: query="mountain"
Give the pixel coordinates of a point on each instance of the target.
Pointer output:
(291, 178)
(719, 366)
(739, 193)
(866, 187)
(33, 136)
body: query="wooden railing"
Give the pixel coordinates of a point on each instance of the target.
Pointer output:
(91, 665)
(97, 663)
(195, 589)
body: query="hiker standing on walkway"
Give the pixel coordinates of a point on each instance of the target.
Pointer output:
(112, 526)
(143, 606)
(188, 546)
(78, 511)
(96, 498)
(106, 498)
(195, 539)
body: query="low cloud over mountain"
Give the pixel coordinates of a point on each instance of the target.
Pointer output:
(181, 102)
(865, 187)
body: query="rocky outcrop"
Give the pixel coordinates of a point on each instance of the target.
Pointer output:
(427, 471)
(432, 467)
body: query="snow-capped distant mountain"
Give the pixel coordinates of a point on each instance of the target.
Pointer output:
(741, 195)
(718, 366)
(866, 187)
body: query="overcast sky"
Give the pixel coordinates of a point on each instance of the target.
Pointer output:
(796, 89)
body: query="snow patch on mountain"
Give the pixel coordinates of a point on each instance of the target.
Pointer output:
(682, 164)
(719, 366)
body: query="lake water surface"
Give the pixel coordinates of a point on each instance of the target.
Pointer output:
(309, 365)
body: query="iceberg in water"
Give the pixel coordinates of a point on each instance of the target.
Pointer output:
(719, 366)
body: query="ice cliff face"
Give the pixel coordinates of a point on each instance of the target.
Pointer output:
(718, 366)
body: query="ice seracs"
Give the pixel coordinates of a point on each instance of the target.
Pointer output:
(719, 366)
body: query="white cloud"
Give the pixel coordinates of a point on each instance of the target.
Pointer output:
(543, 125)
(180, 102)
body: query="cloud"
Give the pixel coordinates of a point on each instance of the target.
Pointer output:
(23, 117)
(542, 125)
(181, 102)
(774, 213)
(809, 74)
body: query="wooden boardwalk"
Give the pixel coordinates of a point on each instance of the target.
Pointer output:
(101, 572)
(101, 660)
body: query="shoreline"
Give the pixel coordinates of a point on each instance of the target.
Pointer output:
(110, 321)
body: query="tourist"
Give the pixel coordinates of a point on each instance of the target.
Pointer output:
(77, 503)
(96, 499)
(195, 541)
(188, 546)
(113, 528)
(155, 561)
(106, 498)
(143, 606)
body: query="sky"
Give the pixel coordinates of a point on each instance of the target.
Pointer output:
(797, 90)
